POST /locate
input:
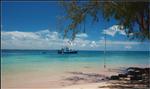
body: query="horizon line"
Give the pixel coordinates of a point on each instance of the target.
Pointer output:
(77, 50)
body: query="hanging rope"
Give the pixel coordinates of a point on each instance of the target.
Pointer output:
(105, 52)
(80, 27)
(84, 26)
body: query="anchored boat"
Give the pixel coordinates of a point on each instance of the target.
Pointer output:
(66, 50)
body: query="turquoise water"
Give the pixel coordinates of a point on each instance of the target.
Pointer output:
(18, 61)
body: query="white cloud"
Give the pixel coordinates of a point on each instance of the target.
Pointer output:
(82, 35)
(109, 42)
(116, 43)
(43, 39)
(128, 47)
(123, 45)
(30, 40)
(93, 44)
(113, 30)
(46, 39)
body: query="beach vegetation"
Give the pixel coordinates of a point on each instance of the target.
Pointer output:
(133, 16)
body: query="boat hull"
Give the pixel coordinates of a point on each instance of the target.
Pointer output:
(70, 52)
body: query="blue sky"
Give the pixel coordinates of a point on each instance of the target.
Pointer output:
(33, 25)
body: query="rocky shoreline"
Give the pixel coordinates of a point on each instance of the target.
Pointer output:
(134, 75)
(131, 78)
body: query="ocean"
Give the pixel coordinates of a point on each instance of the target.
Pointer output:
(30, 60)
(47, 68)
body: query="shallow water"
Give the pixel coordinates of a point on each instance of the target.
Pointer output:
(26, 60)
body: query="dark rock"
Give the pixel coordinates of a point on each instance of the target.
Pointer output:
(107, 78)
(75, 78)
(114, 78)
(131, 73)
(122, 75)
(136, 78)
(134, 68)
(146, 70)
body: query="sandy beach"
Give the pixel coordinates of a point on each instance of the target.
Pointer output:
(51, 81)
(68, 80)
(107, 85)
(32, 70)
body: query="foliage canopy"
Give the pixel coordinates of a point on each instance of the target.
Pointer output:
(133, 16)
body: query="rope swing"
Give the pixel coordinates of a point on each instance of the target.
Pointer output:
(105, 52)
(84, 26)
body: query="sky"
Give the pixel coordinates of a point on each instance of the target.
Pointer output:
(34, 25)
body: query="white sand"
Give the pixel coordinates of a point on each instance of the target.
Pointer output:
(48, 81)
(88, 86)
